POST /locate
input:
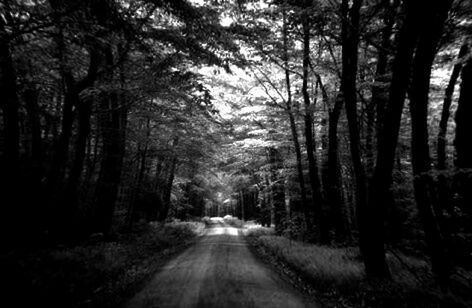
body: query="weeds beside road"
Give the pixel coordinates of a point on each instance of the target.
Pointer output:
(335, 275)
(100, 274)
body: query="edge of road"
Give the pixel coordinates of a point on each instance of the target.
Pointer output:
(285, 272)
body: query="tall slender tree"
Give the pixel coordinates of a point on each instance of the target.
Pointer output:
(9, 160)
(371, 246)
(430, 35)
(317, 198)
(463, 158)
(290, 112)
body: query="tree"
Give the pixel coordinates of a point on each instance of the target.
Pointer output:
(10, 157)
(370, 243)
(317, 198)
(448, 93)
(429, 37)
(388, 132)
(463, 161)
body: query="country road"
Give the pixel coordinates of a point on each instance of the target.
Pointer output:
(218, 271)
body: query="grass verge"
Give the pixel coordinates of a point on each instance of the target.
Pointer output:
(335, 275)
(100, 274)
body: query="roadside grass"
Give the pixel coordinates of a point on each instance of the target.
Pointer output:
(94, 274)
(335, 275)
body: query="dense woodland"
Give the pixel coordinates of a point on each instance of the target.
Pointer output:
(341, 122)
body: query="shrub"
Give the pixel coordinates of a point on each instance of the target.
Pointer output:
(97, 274)
(336, 275)
(233, 221)
(322, 265)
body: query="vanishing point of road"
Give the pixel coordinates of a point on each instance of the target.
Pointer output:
(218, 271)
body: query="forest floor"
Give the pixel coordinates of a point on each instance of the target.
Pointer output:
(335, 275)
(95, 273)
(219, 271)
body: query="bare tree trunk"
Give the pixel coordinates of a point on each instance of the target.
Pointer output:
(331, 171)
(376, 108)
(441, 149)
(391, 117)
(113, 128)
(61, 214)
(34, 193)
(278, 190)
(142, 153)
(293, 125)
(444, 190)
(436, 14)
(168, 188)
(334, 189)
(73, 182)
(317, 198)
(463, 162)
(9, 160)
(137, 189)
(84, 109)
(31, 103)
(380, 88)
(371, 245)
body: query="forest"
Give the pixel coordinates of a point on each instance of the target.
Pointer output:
(333, 124)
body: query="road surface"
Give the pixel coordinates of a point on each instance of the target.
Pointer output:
(218, 271)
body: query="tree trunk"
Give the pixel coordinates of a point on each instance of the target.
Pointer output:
(334, 190)
(436, 14)
(34, 194)
(317, 198)
(168, 189)
(268, 209)
(137, 189)
(61, 215)
(9, 159)
(142, 154)
(293, 125)
(31, 103)
(84, 113)
(441, 149)
(331, 171)
(277, 189)
(71, 100)
(444, 190)
(463, 122)
(113, 127)
(92, 159)
(371, 245)
(84, 109)
(388, 132)
(380, 89)
(463, 161)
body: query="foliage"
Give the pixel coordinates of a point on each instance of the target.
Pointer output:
(335, 275)
(96, 274)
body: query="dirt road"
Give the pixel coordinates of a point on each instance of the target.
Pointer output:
(219, 271)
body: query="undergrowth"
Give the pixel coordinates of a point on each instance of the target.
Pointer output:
(335, 275)
(94, 274)
(233, 221)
